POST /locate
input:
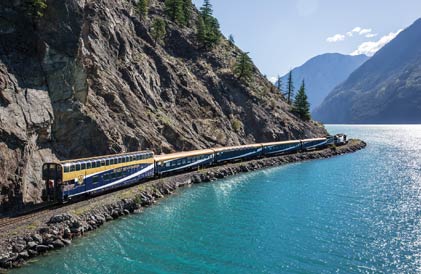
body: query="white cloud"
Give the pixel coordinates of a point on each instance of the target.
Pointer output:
(273, 79)
(349, 33)
(356, 29)
(364, 31)
(370, 35)
(370, 48)
(336, 38)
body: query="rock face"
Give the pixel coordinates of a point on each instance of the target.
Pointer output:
(87, 79)
(323, 73)
(385, 89)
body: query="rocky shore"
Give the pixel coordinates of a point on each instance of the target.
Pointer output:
(56, 228)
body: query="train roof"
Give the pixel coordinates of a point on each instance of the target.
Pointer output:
(105, 157)
(314, 139)
(175, 155)
(218, 149)
(280, 143)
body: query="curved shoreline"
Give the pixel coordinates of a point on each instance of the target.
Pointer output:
(54, 229)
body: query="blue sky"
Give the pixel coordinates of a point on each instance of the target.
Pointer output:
(282, 34)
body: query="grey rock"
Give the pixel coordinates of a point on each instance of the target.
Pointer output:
(37, 238)
(58, 243)
(24, 254)
(66, 241)
(41, 248)
(31, 245)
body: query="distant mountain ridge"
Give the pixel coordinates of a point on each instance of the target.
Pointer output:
(323, 73)
(385, 89)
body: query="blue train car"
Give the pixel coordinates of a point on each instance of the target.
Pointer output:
(275, 148)
(177, 162)
(315, 143)
(225, 154)
(69, 179)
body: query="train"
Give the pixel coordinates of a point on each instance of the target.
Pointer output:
(67, 180)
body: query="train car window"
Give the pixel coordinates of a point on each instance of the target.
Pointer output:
(72, 168)
(77, 167)
(103, 163)
(123, 160)
(83, 166)
(127, 159)
(107, 162)
(88, 165)
(66, 169)
(168, 164)
(95, 179)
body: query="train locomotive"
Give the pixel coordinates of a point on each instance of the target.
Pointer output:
(67, 180)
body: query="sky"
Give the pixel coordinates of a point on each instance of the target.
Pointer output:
(283, 34)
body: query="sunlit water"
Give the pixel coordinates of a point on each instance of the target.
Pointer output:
(355, 213)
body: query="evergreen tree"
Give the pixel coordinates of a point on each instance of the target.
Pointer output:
(208, 33)
(301, 105)
(279, 84)
(143, 7)
(35, 8)
(290, 88)
(187, 9)
(158, 30)
(174, 10)
(231, 39)
(243, 69)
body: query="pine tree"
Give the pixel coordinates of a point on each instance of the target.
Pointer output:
(279, 84)
(301, 105)
(290, 88)
(36, 8)
(187, 9)
(142, 7)
(243, 69)
(158, 30)
(174, 10)
(208, 27)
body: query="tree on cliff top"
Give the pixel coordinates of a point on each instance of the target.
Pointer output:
(179, 11)
(301, 105)
(208, 33)
(243, 69)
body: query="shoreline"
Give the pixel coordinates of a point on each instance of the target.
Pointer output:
(55, 228)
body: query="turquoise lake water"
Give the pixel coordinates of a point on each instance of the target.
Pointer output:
(357, 213)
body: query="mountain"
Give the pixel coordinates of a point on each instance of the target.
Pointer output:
(385, 89)
(324, 72)
(86, 78)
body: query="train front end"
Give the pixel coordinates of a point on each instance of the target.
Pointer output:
(52, 175)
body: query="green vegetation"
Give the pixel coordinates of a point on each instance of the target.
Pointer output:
(158, 30)
(36, 8)
(243, 69)
(208, 33)
(290, 88)
(142, 7)
(236, 125)
(179, 11)
(301, 105)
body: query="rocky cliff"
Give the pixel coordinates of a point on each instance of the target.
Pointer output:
(384, 90)
(87, 79)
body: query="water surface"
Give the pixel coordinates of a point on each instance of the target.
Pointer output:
(355, 213)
